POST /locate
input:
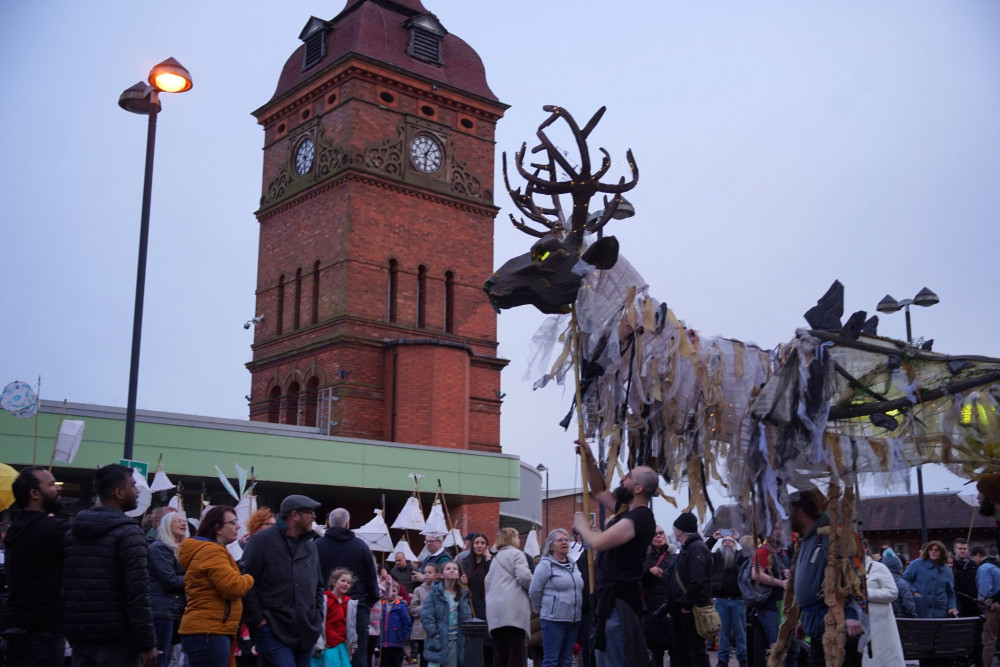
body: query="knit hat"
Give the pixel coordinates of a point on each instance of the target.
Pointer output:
(989, 486)
(891, 561)
(686, 523)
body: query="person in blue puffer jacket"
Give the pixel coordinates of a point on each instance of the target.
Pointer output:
(556, 594)
(932, 582)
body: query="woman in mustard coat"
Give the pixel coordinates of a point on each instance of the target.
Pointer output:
(214, 588)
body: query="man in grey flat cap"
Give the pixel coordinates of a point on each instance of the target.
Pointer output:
(285, 606)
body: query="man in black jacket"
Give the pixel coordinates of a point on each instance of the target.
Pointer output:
(690, 587)
(107, 612)
(285, 605)
(726, 562)
(964, 569)
(31, 623)
(339, 547)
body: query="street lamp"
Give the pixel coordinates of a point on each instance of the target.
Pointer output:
(541, 468)
(144, 99)
(925, 298)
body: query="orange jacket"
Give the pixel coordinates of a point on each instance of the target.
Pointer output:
(214, 588)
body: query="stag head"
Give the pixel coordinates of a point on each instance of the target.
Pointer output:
(548, 276)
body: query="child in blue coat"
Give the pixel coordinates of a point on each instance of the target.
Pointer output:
(394, 627)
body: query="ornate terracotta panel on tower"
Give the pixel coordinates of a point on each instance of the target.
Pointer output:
(376, 232)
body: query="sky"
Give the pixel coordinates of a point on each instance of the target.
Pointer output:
(781, 146)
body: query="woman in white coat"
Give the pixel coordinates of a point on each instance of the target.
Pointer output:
(508, 611)
(887, 651)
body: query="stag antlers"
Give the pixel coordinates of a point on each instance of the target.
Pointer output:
(580, 184)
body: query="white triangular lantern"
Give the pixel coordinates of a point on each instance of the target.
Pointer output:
(375, 534)
(145, 498)
(435, 524)
(68, 440)
(404, 547)
(454, 538)
(411, 518)
(531, 544)
(161, 482)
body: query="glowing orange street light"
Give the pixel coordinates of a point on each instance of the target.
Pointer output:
(168, 77)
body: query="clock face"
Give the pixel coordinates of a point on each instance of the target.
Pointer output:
(304, 157)
(426, 154)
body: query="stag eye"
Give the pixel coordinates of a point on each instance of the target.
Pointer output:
(540, 255)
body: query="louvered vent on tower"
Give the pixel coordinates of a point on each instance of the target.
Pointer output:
(314, 36)
(426, 36)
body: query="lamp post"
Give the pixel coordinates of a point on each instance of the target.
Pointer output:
(541, 468)
(925, 298)
(167, 77)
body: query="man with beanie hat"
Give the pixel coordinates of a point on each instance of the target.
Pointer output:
(989, 493)
(618, 640)
(691, 586)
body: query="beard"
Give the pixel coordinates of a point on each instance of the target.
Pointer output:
(987, 507)
(52, 505)
(623, 495)
(729, 557)
(130, 504)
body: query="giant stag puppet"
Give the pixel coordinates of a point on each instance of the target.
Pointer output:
(834, 402)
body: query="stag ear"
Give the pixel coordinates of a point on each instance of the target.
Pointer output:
(602, 253)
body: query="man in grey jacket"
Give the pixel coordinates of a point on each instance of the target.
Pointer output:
(285, 605)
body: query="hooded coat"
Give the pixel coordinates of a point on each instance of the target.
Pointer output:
(34, 571)
(434, 617)
(904, 606)
(214, 588)
(556, 591)
(886, 649)
(105, 590)
(339, 547)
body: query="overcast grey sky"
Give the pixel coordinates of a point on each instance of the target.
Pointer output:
(782, 145)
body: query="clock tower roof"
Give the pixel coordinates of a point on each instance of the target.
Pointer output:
(384, 31)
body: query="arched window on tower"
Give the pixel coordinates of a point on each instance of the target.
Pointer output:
(312, 394)
(449, 302)
(281, 305)
(297, 318)
(393, 289)
(292, 405)
(315, 293)
(421, 296)
(274, 406)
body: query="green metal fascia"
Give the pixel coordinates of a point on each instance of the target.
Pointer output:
(193, 445)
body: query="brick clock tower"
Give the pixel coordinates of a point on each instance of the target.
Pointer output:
(376, 233)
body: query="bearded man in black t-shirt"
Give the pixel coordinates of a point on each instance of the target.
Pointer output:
(622, 548)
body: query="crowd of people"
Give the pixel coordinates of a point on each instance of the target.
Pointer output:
(122, 594)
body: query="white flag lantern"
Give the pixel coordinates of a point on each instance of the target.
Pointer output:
(404, 547)
(161, 482)
(435, 524)
(531, 544)
(375, 533)
(410, 518)
(69, 439)
(246, 507)
(145, 498)
(454, 539)
(235, 550)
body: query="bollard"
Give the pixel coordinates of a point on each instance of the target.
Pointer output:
(474, 630)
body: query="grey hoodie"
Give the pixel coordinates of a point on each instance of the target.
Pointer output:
(556, 591)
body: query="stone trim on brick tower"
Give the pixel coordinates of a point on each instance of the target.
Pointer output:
(376, 229)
